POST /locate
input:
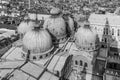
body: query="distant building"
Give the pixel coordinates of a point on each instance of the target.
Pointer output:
(30, 3)
(107, 27)
(40, 14)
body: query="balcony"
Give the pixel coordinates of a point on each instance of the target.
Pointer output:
(115, 59)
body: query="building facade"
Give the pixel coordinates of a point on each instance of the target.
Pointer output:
(107, 27)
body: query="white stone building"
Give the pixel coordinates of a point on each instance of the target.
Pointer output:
(108, 29)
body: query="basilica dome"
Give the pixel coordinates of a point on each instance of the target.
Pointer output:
(25, 26)
(39, 42)
(86, 38)
(57, 27)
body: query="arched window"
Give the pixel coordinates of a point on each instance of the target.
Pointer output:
(86, 65)
(34, 57)
(105, 40)
(91, 44)
(106, 31)
(76, 62)
(83, 48)
(41, 57)
(81, 63)
(46, 55)
(88, 48)
(118, 32)
(112, 31)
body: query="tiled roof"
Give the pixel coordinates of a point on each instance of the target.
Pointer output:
(48, 76)
(58, 62)
(28, 71)
(32, 69)
(10, 64)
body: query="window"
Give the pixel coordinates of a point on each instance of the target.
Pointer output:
(116, 54)
(91, 44)
(107, 31)
(102, 40)
(40, 57)
(81, 63)
(76, 62)
(118, 32)
(105, 40)
(83, 48)
(112, 31)
(86, 65)
(46, 55)
(34, 57)
(104, 31)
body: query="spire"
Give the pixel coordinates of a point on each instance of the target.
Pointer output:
(106, 38)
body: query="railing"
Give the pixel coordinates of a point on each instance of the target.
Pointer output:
(113, 72)
(114, 57)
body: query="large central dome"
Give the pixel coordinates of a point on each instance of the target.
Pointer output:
(86, 38)
(39, 43)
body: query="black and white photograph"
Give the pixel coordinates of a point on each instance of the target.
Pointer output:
(59, 39)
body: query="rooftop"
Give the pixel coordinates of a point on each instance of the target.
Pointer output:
(27, 71)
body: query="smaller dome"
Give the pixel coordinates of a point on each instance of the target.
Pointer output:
(55, 11)
(57, 28)
(25, 27)
(86, 38)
